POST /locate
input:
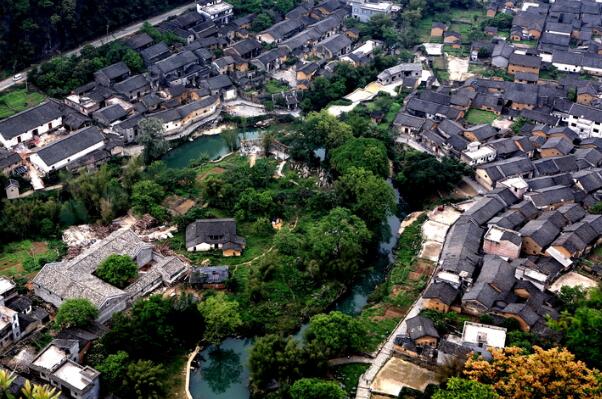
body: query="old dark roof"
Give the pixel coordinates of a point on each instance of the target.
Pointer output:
(560, 144)
(209, 275)
(8, 158)
(543, 232)
(219, 82)
(494, 282)
(29, 119)
(336, 43)
(461, 249)
(114, 71)
(441, 291)
(70, 145)
(111, 113)
(484, 209)
(420, 326)
(525, 60)
(212, 231)
(403, 119)
(138, 41)
(131, 84)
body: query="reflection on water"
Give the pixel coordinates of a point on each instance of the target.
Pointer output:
(223, 373)
(214, 146)
(221, 369)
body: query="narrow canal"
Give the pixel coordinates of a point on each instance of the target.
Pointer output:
(224, 374)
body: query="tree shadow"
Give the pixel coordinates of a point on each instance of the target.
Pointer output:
(223, 368)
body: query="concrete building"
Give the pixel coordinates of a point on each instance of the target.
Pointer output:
(217, 11)
(364, 10)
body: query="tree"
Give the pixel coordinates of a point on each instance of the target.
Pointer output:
(320, 129)
(151, 136)
(34, 391)
(421, 176)
(261, 21)
(366, 153)
(145, 380)
(550, 374)
(113, 369)
(335, 334)
(337, 243)
(6, 380)
(315, 388)
(221, 316)
(276, 358)
(366, 195)
(77, 312)
(230, 136)
(117, 270)
(596, 208)
(145, 195)
(460, 388)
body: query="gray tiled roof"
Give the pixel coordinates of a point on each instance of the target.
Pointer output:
(29, 119)
(70, 145)
(420, 326)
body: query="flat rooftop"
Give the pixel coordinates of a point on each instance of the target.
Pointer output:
(50, 358)
(73, 374)
(5, 285)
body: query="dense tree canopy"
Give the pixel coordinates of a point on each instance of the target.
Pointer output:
(144, 380)
(221, 316)
(459, 388)
(337, 244)
(366, 195)
(366, 153)
(34, 29)
(421, 176)
(117, 270)
(335, 334)
(151, 136)
(581, 323)
(314, 388)
(77, 312)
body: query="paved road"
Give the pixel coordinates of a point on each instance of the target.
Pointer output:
(128, 30)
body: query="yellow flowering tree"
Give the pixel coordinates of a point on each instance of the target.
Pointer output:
(549, 374)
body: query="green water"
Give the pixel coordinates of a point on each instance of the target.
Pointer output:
(213, 146)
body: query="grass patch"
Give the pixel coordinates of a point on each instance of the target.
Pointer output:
(175, 382)
(441, 74)
(24, 258)
(18, 100)
(478, 117)
(273, 86)
(349, 375)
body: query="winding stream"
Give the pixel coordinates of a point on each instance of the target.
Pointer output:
(224, 374)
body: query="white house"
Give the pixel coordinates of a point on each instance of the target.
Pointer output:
(483, 335)
(59, 154)
(218, 11)
(364, 10)
(586, 121)
(477, 154)
(32, 122)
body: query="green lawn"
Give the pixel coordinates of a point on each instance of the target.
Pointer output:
(15, 254)
(478, 117)
(17, 101)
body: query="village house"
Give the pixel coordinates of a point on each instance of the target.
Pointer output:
(334, 46)
(493, 284)
(585, 120)
(489, 174)
(155, 53)
(134, 87)
(502, 242)
(112, 74)
(214, 234)
(209, 277)
(438, 29)
(422, 331)
(556, 147)
(62, 152)
(452, 38)
(477, 154)
(523, 63)
(182, 120)
(364, 10)
(399, 73)
(281, 31)
(439, 296)
(75, 278)
(217, 11)
(33, 122)
(57, 364)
